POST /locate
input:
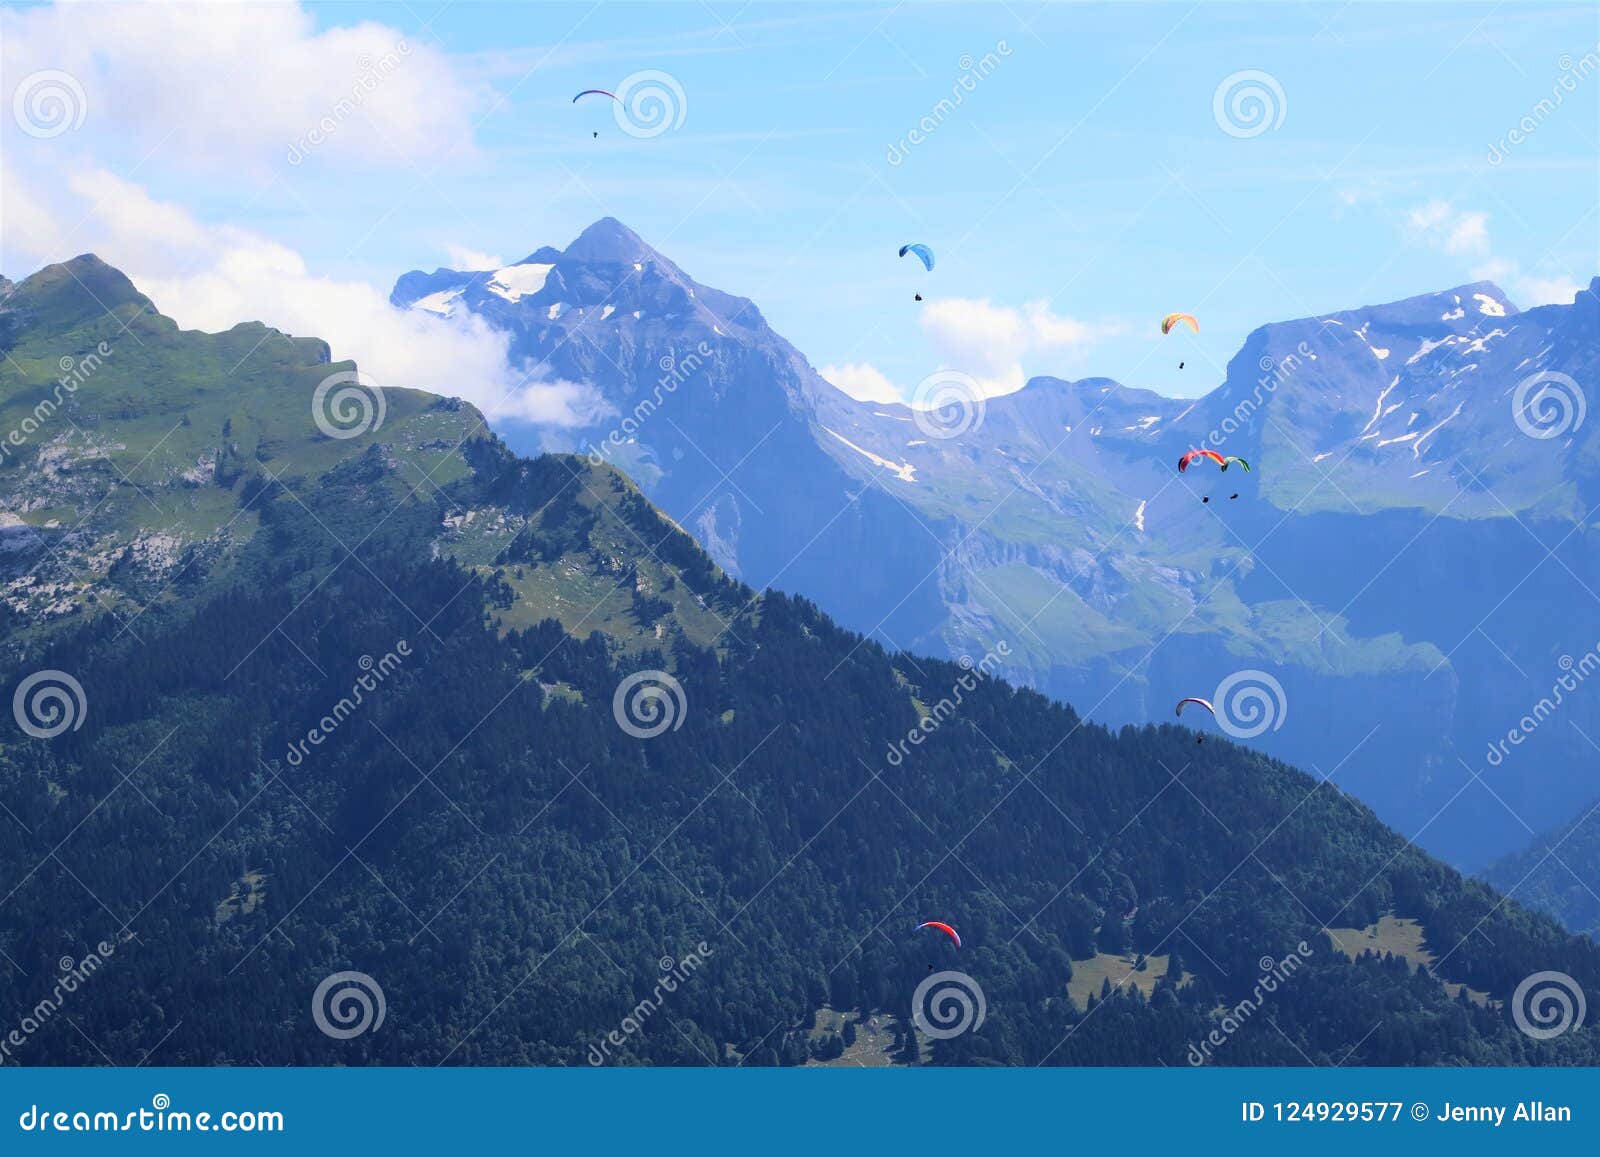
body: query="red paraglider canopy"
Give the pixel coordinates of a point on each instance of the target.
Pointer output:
(1183, 463)
(945, 928)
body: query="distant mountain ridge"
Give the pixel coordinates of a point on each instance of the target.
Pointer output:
(1556, 872)
(1404, 560)
(351, 703)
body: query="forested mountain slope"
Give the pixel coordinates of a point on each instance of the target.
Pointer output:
(372, 706)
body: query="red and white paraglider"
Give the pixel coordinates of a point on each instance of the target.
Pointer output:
(942, 927)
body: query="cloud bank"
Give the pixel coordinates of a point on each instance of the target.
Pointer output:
(1464, 233)
(999, 346)
(212, 277)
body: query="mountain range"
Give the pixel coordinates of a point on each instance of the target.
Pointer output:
(314, 684)
(1406, 570)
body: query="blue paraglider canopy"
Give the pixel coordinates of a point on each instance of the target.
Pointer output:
(922, 251)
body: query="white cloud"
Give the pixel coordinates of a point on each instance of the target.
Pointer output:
(863, 382)
(212, 277)
(1460, 232)
(1465, 233)
(990, 342)
(1530, 290)
(1052, 331)
(472, 260)
(226, 86)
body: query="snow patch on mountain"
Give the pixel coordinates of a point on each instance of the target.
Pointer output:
(1377, 410)
(1428, 346)
(904, 471)
(441, 303)
(1416, 449)
(1477, 347)
(515, 282)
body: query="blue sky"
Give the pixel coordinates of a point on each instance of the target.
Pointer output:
(1083, 188)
